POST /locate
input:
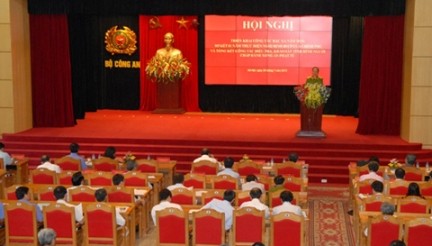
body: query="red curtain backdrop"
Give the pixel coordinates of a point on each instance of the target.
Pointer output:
(185, 39)
(381, 76)
(51, 71)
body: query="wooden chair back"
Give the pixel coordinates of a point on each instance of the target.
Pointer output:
(67, 163)
(24, 229)
(172, 227)
(413, 204)
(100, 225)
(364, 187)
(195, 180)
(61, 218)
(284, 224)
(249, 226)
(147, 166)
(205, 167)
(183, 196)
(383, 229)
(289, 169)
(43, 176)
(294, 184)
(81, 194)
(46, 193)
(426, 189)
(209, 195)
(121, 194)
(397, 188)
(418, 231)
(208, 227)
(100, 178)
(224, 182)
(241, 197)
(374, 202)
(10, 193)
(65, 177)
(414, 174)
(136, 179)
(248, 167)
(105, 164)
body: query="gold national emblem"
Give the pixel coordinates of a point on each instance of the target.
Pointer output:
(120, 41)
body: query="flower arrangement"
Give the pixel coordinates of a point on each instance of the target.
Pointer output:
(129, 157)
(394, 163)
(166, 69)
(313, 93)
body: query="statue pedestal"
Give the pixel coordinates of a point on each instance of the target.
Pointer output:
(168, 98)
(311, 121)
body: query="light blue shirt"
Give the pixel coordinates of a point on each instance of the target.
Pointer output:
(7, 160)
(230, 172)
(39, 215)
(78, 157)
(1, 211)
(222, 207)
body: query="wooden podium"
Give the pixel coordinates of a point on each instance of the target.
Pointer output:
(168, 98)
(311, 121)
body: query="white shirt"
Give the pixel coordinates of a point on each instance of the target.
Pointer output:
(222, 206)
(253, 184)
(161, 206)
(120, 221)
(371, 175)
(179, 185)
(256, 203)
(48, 165)
(7, 160)
(287, 207)
(78, 209)
(205, 158)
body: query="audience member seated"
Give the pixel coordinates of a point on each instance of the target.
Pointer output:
(131, 166)
(255, 195)
(2, 215)
(399, 174)
(60, 195)
(286, 206)
(7, 159)
(251, 182)
(410, 160)
(377, 187)
(46, 163)
(22, 195)
(178, 179)
(165, 202)
(205, 156)
(293, 157)
(118, 180)
(101, 196)
(279, 181)
(258, 244)
(373, 168)
(74, 147)
(397, 243)
(47, 237)
(224, 206)
(414, 190)
(77, 180)
(229, 163)
(361, 163)
(110, 152)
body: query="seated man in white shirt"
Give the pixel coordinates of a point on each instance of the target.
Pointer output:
(178, 179)
(255, 195)
(46, 163)
(251, 182)
(165, 202)
(60, 195)
(224, 206)
(101, 196)
(207, 156)
(373, 167)
(7, 159)
(229, 163)
(286, 206)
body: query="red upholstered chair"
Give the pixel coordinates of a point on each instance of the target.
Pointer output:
(67, 163)
(195, 180)
(61, 218)
(382, 230)
(426, 189)
(284, 224)
(81, 194)
(249, 226)
(397, 188)
(248, 167)
(205, 167)
(418, 231)
(121, 194)
(100, 178)
(241, 197)
(294, 184)
(10, 193)
(65, 178)
(209, 195)
(183, 196)
(105, 164)
(208, 227)
(24, 229)
(136, 179)
(374, 202)
(172, 227)
(266, 180)
(225, 182)
(46, 193)
(364, 187)
(413, 204)
(146, 166)
(289, 169)
(414, 174)
(274, 198)
(43, 176)
(100, 225)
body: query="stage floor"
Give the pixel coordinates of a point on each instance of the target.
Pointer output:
(211, 127)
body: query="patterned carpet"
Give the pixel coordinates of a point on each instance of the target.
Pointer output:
(329, 223)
